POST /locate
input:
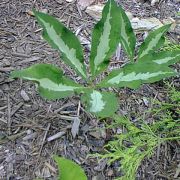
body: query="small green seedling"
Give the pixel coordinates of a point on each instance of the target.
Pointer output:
(147, 67)
(69, 170)
(140, 140)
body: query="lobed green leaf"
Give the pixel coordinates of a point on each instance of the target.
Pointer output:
(69, 169)
(102, 104)
(134, 74)
(127, 36)
(105, 38)
(51, 82)
(154, 41)
(164, 57)
(59, 37)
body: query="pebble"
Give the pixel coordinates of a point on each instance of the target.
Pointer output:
(85, 3)
(95, 11)
(145, 24)
(24, 96)
(69, 1)
(110, 172)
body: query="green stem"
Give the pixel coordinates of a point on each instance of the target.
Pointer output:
(173, 105)
(171, 138)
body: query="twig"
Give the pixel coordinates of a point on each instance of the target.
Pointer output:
(63, 107)
(6, 69)
(9, 115)
(20, 55)
(3, 120)
(55, 136)
(78, 18)
(12, 137)
(68, 22)
(50, 167)
(79, 10)
(17, 108)
(67, 118)
(79, 107)
(44, 138)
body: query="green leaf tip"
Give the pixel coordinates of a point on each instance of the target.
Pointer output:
(135, 74)
(37, 71)
(105, 38)
(51, 82)
(127, 35)
(154, 41)
(69, 170)
(62, 39)
(163, 58)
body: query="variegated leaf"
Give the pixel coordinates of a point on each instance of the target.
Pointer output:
(105, 38)
(135, 74)
(164, 57)
(153, 42)
(59, 37)
(102, 104)
(51, 82)
(127, 36)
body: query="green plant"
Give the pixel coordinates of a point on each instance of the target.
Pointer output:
(147, 67)
(69, 169)
(139, 141)
(170, 46)
(174, 94)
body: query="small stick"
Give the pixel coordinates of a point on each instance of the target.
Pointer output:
(6, 69)
(55, 136)
(17, 108)
(79, 107)
(44, 138)
(79, 10)
(3, 120)
(67, 118)
(9, 115)
(68, 22)
(50, 167)
(20, 55)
